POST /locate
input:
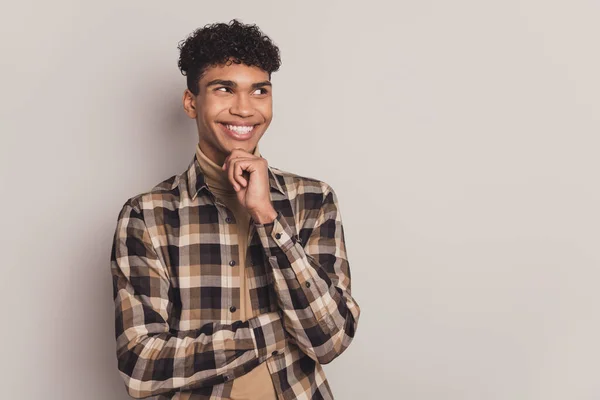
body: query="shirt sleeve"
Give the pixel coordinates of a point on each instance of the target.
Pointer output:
(312, 282)
(152, 357)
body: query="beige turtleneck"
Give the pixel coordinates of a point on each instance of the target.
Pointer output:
(256, 384)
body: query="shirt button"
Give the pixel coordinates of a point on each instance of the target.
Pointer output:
(251, 262)
(307, 284)
(277, 235)
(274, 353)
(232, 308)
(226, 378)
(232, 263)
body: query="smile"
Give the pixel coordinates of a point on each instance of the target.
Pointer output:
(239, 132)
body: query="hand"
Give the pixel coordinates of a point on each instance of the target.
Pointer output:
(249, 176)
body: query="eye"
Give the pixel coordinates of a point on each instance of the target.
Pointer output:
(223, 87)
(265, 91)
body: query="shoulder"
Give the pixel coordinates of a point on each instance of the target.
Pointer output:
(165, 192)
(296, 183)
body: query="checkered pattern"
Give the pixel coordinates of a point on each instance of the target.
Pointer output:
(175, 293)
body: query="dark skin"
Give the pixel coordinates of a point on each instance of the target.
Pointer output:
(237, 95)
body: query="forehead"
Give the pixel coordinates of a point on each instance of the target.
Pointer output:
(241, 74)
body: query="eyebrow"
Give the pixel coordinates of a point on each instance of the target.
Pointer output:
(232, 84)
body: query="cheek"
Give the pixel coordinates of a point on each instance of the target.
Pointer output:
(266, 110)
(212, 111)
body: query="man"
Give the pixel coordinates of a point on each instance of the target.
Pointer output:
(231, 279)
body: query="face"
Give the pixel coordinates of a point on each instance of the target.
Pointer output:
(233, 109)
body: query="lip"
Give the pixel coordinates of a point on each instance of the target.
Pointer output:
(235, 135)
(236, 123)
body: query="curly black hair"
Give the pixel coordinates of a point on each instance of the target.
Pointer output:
(221, 44)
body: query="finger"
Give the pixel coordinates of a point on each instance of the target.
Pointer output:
(230, 176)
(225, 161)
(238, 172)
(239, 168)
(235, 174)
(236, 153)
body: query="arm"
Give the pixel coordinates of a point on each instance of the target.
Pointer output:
(313, 282)
(154, 359)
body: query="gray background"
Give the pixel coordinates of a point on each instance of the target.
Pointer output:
(460, 136)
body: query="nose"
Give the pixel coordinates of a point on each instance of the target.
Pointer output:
(242, 105)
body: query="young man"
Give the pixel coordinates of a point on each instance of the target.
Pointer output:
(231, 279)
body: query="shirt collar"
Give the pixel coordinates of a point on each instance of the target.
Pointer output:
(196, 181)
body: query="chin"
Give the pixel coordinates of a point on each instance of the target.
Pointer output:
(229, 145)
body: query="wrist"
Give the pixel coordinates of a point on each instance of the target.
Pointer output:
(264, 216)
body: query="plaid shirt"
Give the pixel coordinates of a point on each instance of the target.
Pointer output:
(174, 292)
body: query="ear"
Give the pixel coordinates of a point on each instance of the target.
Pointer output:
(189, 104)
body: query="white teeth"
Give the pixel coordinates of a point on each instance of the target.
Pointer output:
(240, 129)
